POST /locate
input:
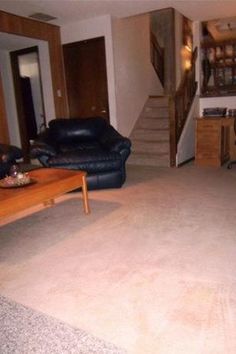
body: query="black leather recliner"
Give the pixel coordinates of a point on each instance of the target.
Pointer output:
(8, 156)
(89, 144)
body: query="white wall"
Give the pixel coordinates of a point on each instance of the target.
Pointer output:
(91, 28)
(46, 77)
(133, 70)
(186, 144)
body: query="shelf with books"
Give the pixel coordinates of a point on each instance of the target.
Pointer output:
(218, 61)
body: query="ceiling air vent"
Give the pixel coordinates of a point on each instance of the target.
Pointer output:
(42, 17)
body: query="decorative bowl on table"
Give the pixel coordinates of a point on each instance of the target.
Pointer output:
(20, 180)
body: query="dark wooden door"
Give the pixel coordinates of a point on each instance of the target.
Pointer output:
(86, 78)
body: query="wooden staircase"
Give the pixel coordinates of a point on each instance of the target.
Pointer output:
(150, 136)
(158, 129)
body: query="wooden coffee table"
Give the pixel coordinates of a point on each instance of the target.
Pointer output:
(49, 184)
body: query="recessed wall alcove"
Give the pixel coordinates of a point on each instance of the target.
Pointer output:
(21, 26)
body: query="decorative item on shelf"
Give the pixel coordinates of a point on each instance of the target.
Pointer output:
(232, 113)
(228, 61)
(211, 55)
(220, 77)
(228, 76)
(215, 112)
(219, 53)
(229, 50)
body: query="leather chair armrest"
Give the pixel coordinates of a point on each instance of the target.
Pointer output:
(114, 141)
(10, 153)
(40, 148)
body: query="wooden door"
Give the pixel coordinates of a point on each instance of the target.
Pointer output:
(86, 78)
(4, 136)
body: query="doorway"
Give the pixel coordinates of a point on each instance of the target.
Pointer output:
(29, 95)
(86, 78)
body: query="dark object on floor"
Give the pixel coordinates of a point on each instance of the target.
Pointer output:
(8, 156)
(37, 333)
(90, 144)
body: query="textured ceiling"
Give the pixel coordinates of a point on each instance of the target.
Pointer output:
(73, 10)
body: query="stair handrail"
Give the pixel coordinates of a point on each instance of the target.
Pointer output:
(180, 105)
(157, 57)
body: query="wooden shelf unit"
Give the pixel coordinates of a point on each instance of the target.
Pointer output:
(218, 68)
(213, 140)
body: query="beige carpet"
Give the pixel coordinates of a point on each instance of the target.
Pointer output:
(26, 331)
(151, 270)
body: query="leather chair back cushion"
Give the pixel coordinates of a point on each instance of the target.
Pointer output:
(71, 130)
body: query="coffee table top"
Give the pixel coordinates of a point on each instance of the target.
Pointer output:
(49, 184)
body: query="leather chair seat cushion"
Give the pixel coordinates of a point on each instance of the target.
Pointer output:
(94, 161)
(82, 146)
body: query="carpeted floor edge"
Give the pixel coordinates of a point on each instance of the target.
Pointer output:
(26, 331)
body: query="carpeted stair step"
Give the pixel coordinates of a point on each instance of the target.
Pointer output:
(151, 159)
(157, 101)
(153, 123)
(156, 112)
(150, 134)
(142, 146)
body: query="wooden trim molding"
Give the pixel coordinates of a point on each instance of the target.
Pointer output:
(4, 134)
(26, 27)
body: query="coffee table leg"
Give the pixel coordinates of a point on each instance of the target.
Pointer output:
(85, 195)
